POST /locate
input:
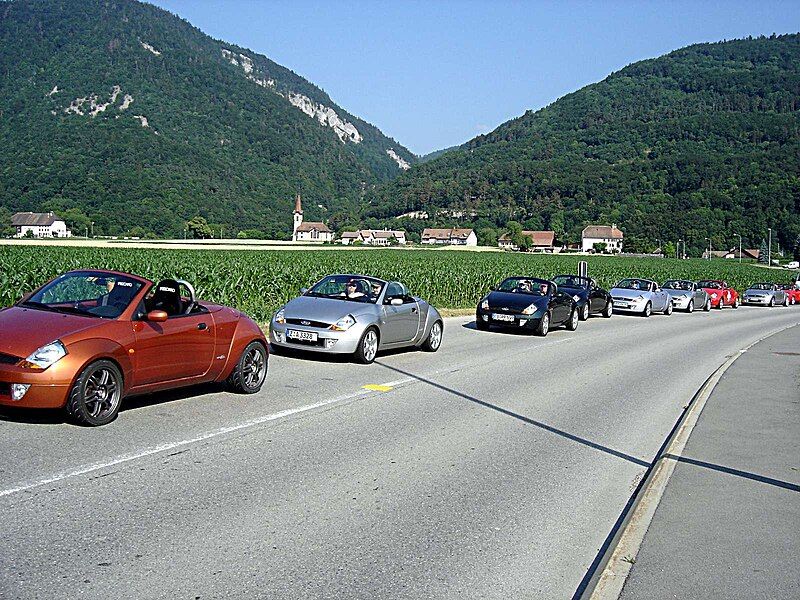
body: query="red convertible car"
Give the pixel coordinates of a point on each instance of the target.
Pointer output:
(720, 293)
(791, 291)
(87, 339)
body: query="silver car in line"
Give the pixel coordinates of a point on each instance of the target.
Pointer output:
(686, 295)
(641, 296)
(358, 315)
(765, 294)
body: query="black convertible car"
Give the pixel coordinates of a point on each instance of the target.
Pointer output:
(590, 298)
(527, 303)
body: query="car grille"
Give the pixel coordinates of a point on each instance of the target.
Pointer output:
(8, 359)
(308, 323)
(319, 343)
(5, 389)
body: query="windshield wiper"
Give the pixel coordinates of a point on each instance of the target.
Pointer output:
(39, 305)
(75, 310)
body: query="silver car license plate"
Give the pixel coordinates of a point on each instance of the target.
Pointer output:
(499, 317)
(308, 336)
(619, 304)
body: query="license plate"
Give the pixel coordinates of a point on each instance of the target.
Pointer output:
(308, 336)
(499, 317)
(621, 304)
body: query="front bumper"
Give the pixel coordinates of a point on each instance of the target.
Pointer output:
(517, 321)
(629, 304)
(680, 302)
(327, 341)
(756, 300)
(48, 389)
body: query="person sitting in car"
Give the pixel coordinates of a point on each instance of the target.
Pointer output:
(351, 290)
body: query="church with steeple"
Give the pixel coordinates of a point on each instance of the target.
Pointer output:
(308, 231)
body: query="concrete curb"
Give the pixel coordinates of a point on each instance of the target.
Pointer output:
(613, 570)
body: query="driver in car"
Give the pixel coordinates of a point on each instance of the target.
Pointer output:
(351, 290)
(104, 300)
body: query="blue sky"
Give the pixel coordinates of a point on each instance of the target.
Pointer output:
(435, 74)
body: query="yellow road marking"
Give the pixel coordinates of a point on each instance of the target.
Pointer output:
(374, 387)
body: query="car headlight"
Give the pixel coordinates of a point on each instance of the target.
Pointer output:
(529, 310)
(576, 298)
(344, 323)
(46, 356)
(640, 297)
(714, 295)
(280, 317)
(485, 304)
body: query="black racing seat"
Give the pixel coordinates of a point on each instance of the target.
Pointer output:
(167, 297)
(118, 297)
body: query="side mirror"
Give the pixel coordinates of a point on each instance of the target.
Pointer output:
(157, 316)
(303, 291)
(396, 301)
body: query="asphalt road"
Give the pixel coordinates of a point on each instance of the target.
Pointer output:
(494, 468)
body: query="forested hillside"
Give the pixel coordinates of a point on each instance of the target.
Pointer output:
(120, 113)
(702, 142)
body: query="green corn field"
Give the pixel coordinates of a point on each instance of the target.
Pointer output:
(258, 282)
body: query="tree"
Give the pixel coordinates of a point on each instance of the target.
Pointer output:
(797, 248)
(669, 250)
(199, 228)
(487, 236)
(762, 252)
(599, 247)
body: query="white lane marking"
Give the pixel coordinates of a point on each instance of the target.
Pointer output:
(83, 470)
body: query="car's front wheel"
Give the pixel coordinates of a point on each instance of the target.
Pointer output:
(544, 325)
(707, 305)
(572, 323)
(648, 310)
(434, 339)
(250, 371)
(608, 310)
(584, 314)
(690, 307)
(367, 346)
(96, 396)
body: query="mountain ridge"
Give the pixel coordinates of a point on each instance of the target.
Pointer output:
(148, 117)
(701, 142)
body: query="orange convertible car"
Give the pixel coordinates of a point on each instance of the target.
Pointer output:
(87, 339)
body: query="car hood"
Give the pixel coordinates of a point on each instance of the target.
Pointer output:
(574, 291)
(23, 330)
(326, 310)
(513, 302)
(625, 293)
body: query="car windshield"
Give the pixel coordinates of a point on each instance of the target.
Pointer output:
(89, 293)
(524, 285)
(353, 288)
(633, 284)
(712, 285)
(761, 286)
(571, 281)
(673, 284)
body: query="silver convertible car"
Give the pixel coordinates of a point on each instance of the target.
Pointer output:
(640, 296)
(765, 294)
(358, 315)
(686, 295)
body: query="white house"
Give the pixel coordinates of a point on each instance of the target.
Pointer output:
(602, 234)
(40, 225)
(454, 236)
(374, 237)
(309, 231)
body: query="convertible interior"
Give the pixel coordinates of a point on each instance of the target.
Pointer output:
(166, 296)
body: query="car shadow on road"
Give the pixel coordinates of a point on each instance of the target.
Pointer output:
(523, 418)
(310, 355)
(38, 416)
(521, 332)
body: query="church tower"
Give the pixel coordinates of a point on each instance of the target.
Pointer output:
(297, 216)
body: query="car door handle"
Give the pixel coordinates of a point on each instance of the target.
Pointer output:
(202, 327)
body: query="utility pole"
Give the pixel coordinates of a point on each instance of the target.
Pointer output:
(92, 228)
(769, 248)
(740, 248)
(709, 248)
